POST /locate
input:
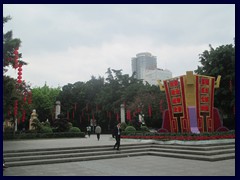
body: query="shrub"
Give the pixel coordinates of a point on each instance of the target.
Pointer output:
(46, 129)
(130, 129)
(8, 129)
(61, 125)
(74, 130)
(47, 124)
(70, 125)
(43, 135)
(36, 124)
(144, 128)
(31, 131)
(123, 126)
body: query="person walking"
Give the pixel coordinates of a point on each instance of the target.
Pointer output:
(98, 131)
(4, 165)
(117, 134)
(89, 130)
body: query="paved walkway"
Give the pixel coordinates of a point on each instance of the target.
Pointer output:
(131, 166)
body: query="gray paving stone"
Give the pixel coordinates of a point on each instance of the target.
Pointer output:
(129, 166)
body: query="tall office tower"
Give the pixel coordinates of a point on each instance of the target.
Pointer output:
(145, 66)
(142, 62)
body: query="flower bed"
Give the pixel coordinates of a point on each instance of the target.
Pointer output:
(181, 138)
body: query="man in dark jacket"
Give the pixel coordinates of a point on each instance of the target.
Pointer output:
(117, 134)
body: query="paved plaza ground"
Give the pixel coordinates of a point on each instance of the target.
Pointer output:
(129, 166)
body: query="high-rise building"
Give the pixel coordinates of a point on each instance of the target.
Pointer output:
(145, 67)
(141, 62)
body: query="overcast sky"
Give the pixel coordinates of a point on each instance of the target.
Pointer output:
(69, 43)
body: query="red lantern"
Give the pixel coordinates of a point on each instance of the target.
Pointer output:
(16, 57)
(24, 98)
(23, 116)
(15, 52)
(19, 73)
(15, 108)
(15, 64)
(128, 115)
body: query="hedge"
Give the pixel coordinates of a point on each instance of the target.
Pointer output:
(11, 136)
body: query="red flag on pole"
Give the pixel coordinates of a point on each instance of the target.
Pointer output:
(149, 110)
(67, 115)
(128, 115)
(73, 114)
(117, 116)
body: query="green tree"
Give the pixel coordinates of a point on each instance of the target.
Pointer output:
(9, 45)
(221, 61)
(102, 98)
(13, 91)
(44, 99)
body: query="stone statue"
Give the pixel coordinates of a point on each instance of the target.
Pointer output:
(33, 116)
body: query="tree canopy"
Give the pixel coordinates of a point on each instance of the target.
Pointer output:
(221, 61)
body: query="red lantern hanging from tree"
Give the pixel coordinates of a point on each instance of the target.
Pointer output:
(128, 115)
(15, 108)
(15, 52)
(24, 98)
(23, 116)
(19, 74)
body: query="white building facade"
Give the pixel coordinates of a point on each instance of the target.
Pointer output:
(151, 76)
(145, 67)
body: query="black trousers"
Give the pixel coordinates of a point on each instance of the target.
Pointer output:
(89, 133)
(98, 136)
(117, 144)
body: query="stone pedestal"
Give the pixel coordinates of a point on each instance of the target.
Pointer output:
(58, 109)
(16, 125)
(122, 113)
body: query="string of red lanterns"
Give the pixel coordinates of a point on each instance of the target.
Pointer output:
(16, 57)
(19, 73)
